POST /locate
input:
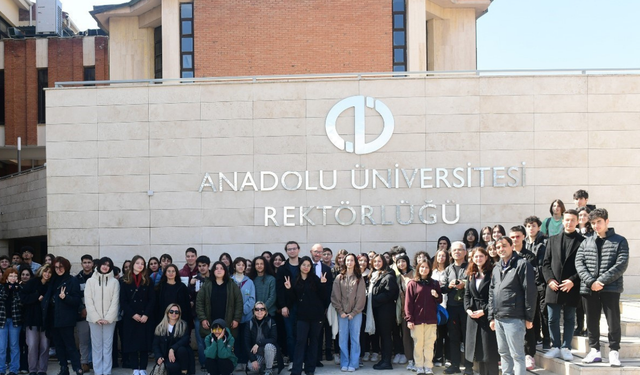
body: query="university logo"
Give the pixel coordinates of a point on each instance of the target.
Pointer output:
(359, 146)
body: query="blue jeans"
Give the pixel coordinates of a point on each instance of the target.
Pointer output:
(290, 327)
(10, 337)
(554, 324)
(350, 330)
(200, 342)
(510, 334)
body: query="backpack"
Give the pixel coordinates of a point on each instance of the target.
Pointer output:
(443, 315)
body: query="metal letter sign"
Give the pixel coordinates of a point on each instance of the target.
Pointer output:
(359, 147)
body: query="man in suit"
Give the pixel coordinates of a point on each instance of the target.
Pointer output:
(563, 284)
(320, 269)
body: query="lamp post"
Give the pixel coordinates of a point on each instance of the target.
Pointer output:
(19, 159)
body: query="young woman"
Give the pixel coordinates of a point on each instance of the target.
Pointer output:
(470, 238)
(264, 281)
(219, 348)
(311, 293)
(126, 266)
(444, 243)
(441, 261)
(171, 342)
(48, 259)
(553, 225)
(137, 299)
(10, 320)
(406, 274)
(249, 266)
(260, 340)
(584, 225)
(339, 262)
(229, 301)
(419, 257)
(60, 310)
(421, 311)
(277, 260)
(26, 274)
(165, 260)
(497, 231)
(102, 300)
(225, 258)
(383, 292)
(493, 253)
(267, 255)
(32, 294)
(154, 270)
(171, 290)
(248, 291)
(348, 297)
(5, 263)
(369, 344)
(485, 236)
(480, 343)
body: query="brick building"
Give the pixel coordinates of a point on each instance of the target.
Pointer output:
(30, 63)
(216, 38)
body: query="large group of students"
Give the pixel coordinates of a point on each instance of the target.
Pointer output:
(489, 298)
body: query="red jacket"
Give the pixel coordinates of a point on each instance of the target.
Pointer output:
(420, 307)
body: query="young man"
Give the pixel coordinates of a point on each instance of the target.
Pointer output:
(511, 307)
(203, 263)
(82, 326)
(601, 261)
(16, 259)
(535, 242)
(452, 283)
(327, 257)
(321, 268)
(581, 199)
(563, 284)
(27, 258)
(517, 235)
(289, 270)
(190, 269)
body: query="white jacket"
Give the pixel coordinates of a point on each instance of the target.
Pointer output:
(102, 297)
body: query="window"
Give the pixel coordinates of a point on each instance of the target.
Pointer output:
(43, 82)
(157, 51)
(187, 69)
(1, 97)
(399, 36)
(89, 74)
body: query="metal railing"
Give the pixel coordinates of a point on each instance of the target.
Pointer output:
(26, 171)
(355, 76)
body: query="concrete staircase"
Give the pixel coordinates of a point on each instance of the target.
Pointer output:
(629, 348)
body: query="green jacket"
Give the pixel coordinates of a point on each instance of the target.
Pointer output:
(234, 306)
(222, 349)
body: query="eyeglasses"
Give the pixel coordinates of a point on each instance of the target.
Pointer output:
(59, 267)
(174, 311)
(260, 309)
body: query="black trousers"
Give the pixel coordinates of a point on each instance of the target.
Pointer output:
(307, 331)
(181, 363)
(488, 368)
(219, 366)
(138, 360)
(66, 350)
(595, 303)
(398, 345)
(542, 319)
(457, 328)
(326, 339)
(384, 325)
(441, 348)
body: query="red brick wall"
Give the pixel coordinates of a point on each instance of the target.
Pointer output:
(21, 79)
(262, 37)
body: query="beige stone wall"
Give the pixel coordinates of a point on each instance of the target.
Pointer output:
(130, 49)
(23, 207)
(108, 146)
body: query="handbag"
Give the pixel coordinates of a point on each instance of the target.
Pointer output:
(158, 369)
(443, 315)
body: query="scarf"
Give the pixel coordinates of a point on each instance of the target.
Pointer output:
(137, 279)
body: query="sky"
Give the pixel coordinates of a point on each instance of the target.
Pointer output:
(525, 34)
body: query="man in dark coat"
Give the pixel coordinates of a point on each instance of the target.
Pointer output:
(601, 261)
(563, 284)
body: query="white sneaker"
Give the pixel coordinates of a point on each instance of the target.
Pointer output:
(366, 357)
(411, 366)
(336, 359)
(566, 354)
(552, 353)
(403, 359)
(290, 366)
(136, 372)
(530, 362)
(614, 358)
(437, 364)
(421, 370)
(343, 369)
(375, 357)
(143, 372)
(396, 359)
(593, 356)
(351, 369)
(428, 370)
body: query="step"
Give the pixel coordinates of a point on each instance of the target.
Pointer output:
(630, 306)
(629, 346)
(576, 367)
(629, 326)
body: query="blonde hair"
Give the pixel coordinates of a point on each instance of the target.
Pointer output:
(178, 330)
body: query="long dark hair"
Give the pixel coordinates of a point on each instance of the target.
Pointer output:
(467, 244)
(385, 265)
(311, 273)
(163, 279)
(418, 276)
(356, 267)
(225, 278)
(267, 268)
(273, 257)
(128, 277)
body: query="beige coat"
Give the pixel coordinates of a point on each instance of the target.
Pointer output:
(102, 297)
(348, 295)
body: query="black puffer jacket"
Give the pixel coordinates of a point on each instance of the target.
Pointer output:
(269, 334)
(29, 295)
(606, 268)
(385, 292)
(513, 291)
(59, 312)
